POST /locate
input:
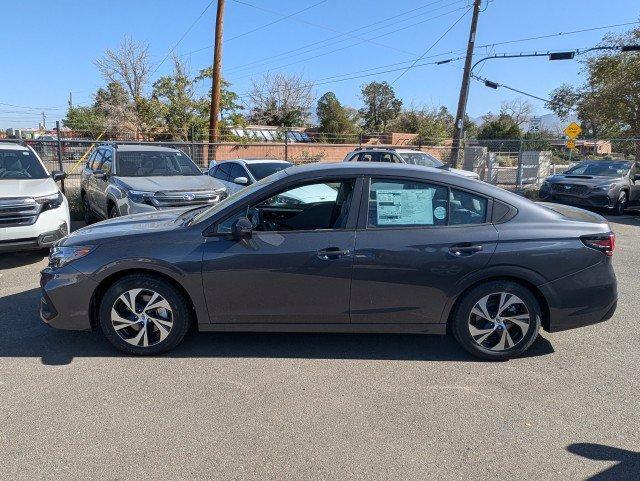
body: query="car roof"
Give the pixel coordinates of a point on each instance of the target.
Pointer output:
(142, 148)
(260, 161)
(12, 146)
(386, 149)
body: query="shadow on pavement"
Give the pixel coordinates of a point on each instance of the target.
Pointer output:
(624, 220)
(20, 259)
(23, 334)
(627, 467)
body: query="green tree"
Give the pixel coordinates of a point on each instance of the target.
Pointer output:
(608, 103)
(333, 117)
(432, 125)
(380, 106)
(85, 121)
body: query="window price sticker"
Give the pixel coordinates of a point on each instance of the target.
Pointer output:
(405, 207)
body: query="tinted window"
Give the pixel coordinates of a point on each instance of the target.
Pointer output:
(155, 163)
(466, 208)
(97, 160)
(236, 171)
(323, 205)
(107, 161)
(20, 164)
(600, 168)
(223, 171)
(264, 169)
(406, 203)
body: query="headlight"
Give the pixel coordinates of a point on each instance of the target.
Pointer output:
(604, 188)
(52, 201)
(139, 196)
(61, 256)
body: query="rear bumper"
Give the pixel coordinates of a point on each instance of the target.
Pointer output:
(587, 297)
(66, 298)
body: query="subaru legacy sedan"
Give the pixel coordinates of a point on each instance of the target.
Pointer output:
(395, 249)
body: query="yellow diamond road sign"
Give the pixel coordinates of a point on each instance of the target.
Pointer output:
(571, 144)
(572, 130)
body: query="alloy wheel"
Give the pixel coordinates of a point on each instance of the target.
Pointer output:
(142, 317)
(499, 321)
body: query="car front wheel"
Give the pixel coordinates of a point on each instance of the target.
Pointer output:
(144, 315)
(497, 320)
(621, 204)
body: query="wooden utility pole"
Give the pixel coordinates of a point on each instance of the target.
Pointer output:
(458, 133)
(214, 112)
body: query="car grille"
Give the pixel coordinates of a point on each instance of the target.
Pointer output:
(179, 199)
(572, 189)
(18, 211)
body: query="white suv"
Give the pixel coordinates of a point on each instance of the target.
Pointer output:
(33, 212)
(403, 156)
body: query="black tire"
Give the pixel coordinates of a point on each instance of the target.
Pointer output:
(460, 325)
(113, 212)
(621, 204)
(181, 313)
(87, 215)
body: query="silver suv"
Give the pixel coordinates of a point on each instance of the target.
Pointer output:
(129, 179)
(402, 156)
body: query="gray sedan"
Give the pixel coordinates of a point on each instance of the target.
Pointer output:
(607, 183)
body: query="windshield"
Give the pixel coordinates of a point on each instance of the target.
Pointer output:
(20, 164)
(420, 158)
(602, 169)
(154, 163)
(265, 169)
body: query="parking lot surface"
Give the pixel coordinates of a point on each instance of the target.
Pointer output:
(318, 406)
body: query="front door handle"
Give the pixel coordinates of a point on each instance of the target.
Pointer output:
(332, 253)
(463, 250)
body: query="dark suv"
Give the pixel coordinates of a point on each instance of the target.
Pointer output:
(607, 183)
(131, 179)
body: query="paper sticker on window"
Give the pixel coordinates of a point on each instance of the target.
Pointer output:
(405, 207)
(440, 212)
(25, 153)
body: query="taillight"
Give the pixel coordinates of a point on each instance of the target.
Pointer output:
(604, 243)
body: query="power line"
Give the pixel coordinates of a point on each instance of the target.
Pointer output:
(275, 21)
(513, 89)
(431, 46)
(351, 45)
(33, 108)
(182, 37)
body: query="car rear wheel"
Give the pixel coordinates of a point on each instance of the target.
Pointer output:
(144, 315)
(497, 320)
(621, 204)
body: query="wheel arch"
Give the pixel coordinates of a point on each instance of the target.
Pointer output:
(114, 277)
(527, 284)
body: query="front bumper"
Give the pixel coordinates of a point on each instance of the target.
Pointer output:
(591, 199)
(66, 298)
(50, 226)
(586, 297)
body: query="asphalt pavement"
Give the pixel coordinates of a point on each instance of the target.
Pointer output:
(318, 406)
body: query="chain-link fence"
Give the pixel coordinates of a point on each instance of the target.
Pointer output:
(511, 164)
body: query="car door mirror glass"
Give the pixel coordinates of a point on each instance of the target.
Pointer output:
(241, 181)
(242, 229)
(58, 175)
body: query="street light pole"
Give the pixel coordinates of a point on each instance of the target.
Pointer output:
(464, 88)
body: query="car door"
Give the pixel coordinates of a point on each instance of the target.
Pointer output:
(92, 183)
(86, 176)
(634, 185)
(101, 183)
(222, 173)
(415, 241)
(296, 267)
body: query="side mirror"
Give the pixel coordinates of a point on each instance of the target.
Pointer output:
(242, 229)
(58, 175)
(241, 181)
(99, 174)
(636, 177)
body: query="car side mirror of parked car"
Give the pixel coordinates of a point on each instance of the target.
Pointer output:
(242, 229)
(99, 174)
(636, 177)
(58, 175)
(241, 181)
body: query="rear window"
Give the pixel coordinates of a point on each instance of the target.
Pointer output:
(20, 164)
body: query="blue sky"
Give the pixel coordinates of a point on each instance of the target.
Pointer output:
(49, 46)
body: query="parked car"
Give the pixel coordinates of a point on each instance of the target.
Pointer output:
(239, 173)
(399, 249)
(402, 156)
(33, 212)
(129, 179)
(608, 183)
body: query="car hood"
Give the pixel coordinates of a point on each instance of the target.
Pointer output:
(27, 187)
(588, 180)
(464, 173)
(153, 222)
(182, 183)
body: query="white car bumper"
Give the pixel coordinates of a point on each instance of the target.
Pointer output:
(50, 226)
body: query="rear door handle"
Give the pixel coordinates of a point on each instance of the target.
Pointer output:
(463, 250)
(332, 253)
